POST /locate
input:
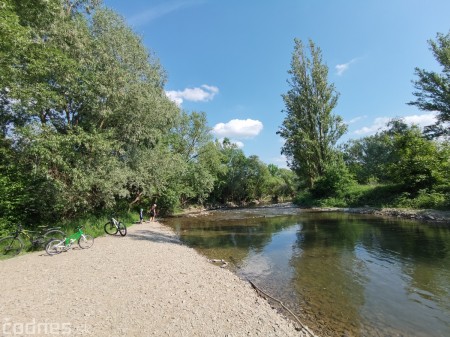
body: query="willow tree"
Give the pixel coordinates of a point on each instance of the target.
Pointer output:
(83, 107)
(310, 129)
(35, 72)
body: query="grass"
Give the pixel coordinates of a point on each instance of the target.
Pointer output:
(380, 196)
(93, 225)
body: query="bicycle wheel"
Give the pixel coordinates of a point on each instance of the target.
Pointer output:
(10, 246)
(122, 229)
(51, 234)
(85, 241)
(110, 228)
(55, 246)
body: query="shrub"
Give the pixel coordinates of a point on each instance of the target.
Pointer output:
(304, 199)
(335, 182)
(423, 199)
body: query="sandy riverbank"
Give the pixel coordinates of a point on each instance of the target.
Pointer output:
(144, 284)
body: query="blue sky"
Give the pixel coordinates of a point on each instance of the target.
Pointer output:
(229, 59)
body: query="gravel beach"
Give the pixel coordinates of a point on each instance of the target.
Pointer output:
(144, 284)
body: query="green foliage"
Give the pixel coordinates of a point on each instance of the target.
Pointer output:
(433, 89)
(335, 181)
(399, 155)
(199, 158)
(414, 169)
(372, 195)
(310, 129)
(380, 196)
(94, 224)
(282, 183)
(367, 158)
(423, 199)
(87, 129)
(419, 164)
(304, 199)
(241, 179)
(12, 186)
(84, 103)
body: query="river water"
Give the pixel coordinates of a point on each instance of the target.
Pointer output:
(342, 274)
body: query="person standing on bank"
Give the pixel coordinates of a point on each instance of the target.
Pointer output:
(141, 215)
(153, 212)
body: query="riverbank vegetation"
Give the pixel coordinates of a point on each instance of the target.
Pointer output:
(87, 130)
(399, 166)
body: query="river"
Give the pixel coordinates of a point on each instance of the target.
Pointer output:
(342, 274)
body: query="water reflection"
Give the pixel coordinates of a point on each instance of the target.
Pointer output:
(343, 274)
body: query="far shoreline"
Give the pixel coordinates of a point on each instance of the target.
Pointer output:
(430, 216)
(422, 215)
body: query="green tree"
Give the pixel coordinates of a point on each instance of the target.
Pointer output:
(420, 164)
(368, 158)
(310, 129)
(281, 184)
(126, 99)
(199, 156)
(15, 40)
(400, 155)
(242, 179)
(257, 178)
(12, 184)
(433, 89)
(336, 180)
(232, 184)
(35, 71)
(85, 105)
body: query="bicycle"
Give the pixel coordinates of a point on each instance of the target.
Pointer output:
(56, 246)
(12, 244)
(113, 226)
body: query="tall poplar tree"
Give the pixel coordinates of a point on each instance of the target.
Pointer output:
(310, 129)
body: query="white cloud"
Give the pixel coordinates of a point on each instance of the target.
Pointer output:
(203, 94)
(342, 68)
(238, 143)
(158, 11)
(356, 119)
(238, 128)
(280, 161)
(174, 97)
(421, 120)
(379, 123)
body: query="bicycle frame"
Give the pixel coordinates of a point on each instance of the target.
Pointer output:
(15, 242)
(113, 226)
(115, 222)
(32, 236)
(56, 246)
(74, 237)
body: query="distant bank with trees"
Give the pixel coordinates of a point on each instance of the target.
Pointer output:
(86, 129)
(400, 166)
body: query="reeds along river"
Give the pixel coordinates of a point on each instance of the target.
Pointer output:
(342, 274)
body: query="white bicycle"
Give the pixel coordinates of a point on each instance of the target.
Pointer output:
(113, 226)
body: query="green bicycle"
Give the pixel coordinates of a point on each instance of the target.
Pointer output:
(57, 246)
(13, 244)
